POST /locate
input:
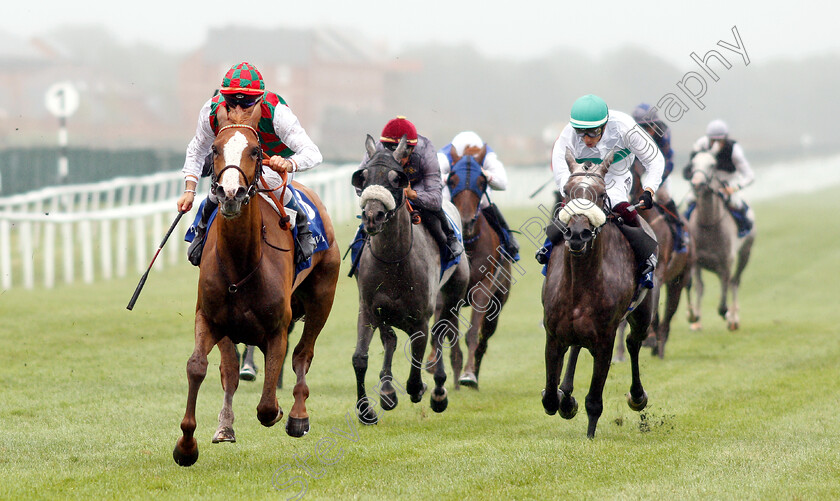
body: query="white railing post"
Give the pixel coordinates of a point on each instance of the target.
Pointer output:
(5, 254)
(67, 241)
(49, 255)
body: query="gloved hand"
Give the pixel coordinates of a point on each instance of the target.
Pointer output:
(646, 200)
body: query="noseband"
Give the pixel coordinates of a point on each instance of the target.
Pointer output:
(596, 228)
(252, 185)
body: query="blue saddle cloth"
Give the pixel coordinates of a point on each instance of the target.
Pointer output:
(359, 242)
(316, 225)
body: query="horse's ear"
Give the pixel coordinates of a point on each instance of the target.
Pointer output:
(222, 115)
(358, 179)
(400, 152)
(454, 154)
(570, 160)
(607, 162)
(397, 179)
(481, 154)
(453, 180)
(716, 147)
(370, 146)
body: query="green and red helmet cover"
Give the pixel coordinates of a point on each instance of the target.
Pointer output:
(243, 78)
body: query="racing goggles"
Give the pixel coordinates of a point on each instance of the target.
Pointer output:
(243, 100)
(596, 132)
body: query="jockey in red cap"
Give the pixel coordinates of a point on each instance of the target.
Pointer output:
(421, 165)
(281, 136)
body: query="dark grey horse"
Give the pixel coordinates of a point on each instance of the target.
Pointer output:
(589, 288)
(400, 282)
(715, 234)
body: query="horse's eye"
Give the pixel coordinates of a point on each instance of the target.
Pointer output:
(214, 150)
(255, 152)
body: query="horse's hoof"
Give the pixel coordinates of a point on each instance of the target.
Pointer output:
(224, 434)
(417, 397)
(569, 411)
(366, 415)
(248, 373)
(268, 423)
(733, 326)
(185, 457)
(439, 403)
(388, 401)
(297, 427)
(695, 326)
(551, 404)
(469, 380)
(637, 405)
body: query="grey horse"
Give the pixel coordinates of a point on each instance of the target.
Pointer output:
(400, 283)
(715, 234)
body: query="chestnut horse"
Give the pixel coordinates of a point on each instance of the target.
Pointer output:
(400, 282)
(719, 248)
(247, 290)
(588, 290)
(490, 271)
(673, 270)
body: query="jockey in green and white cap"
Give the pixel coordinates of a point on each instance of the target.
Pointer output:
(593, 132)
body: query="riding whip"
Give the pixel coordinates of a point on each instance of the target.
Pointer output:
(146, 275)
(541, 188)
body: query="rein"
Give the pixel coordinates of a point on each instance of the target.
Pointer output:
(234, 287)
(395, 261)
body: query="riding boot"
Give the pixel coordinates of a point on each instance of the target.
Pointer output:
(642, 242)
(742, 219)
(676, 224)
(305, 241)
(455, 246)
(196, 248)
(433, 223)
(553, 235)
(497, 221)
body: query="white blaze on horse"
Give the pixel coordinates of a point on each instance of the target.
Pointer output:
(247, 289)
(718, 247)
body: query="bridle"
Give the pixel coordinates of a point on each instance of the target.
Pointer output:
(252, 185)
(469, 186)
(234, 287)
(605, 208)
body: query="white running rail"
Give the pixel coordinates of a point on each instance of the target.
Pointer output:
(95, 231)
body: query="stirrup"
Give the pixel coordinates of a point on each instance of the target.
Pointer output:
(542, 255)
(196, 248)
(456, 248)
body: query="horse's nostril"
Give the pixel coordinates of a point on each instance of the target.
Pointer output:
(380, 216)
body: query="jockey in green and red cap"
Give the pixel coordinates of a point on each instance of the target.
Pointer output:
(281, 136)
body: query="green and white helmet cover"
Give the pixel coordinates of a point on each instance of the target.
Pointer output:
(588, 112)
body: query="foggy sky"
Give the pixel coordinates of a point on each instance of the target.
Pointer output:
(523, 30)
